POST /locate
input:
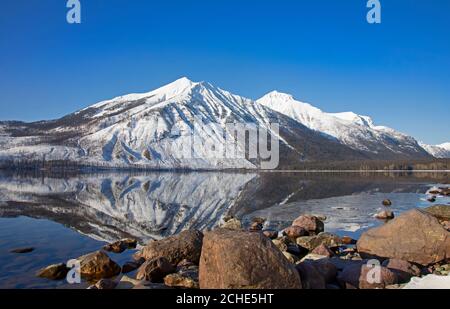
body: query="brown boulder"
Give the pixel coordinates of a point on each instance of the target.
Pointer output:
(366, 277)
(442, 212)
(295, 232)
(403, 269)
(387, 203)
(323, 250)
(155, 270)
(312, 242)
(186, 245)
(309, 223)
(54, 272)
(311, 277)
(232, 224)
(415, 237)
(185, 278)
(98, 265)
(271, 234)
(243, 260)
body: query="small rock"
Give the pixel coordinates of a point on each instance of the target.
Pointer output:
(385, 215)
(309, 223)
(155, 270)
(256, 227)
(54, 272)
(106, 284)
(232, 224)
(323, 250)
(186, 277)
(312, 242)
(295, 232)
(22, 250)
(271, 234)
(121, 245)
(387, 203)
(313, 257)
(432, 199)
(346, 240)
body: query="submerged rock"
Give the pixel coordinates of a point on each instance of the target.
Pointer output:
(185, 245)
(415, 236)
(54, 272)
(22, 250)
(244, 260)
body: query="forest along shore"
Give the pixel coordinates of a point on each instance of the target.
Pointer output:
(409, 251)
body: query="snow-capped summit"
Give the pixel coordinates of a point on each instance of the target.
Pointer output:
(353, 130)
(438, 151)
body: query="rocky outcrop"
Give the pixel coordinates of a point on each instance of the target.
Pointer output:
(244, 260)
(186, 245)
(415, 236)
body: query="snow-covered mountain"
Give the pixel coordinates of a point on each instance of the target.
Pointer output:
(356, 131)
(151, 130)
(438, 151)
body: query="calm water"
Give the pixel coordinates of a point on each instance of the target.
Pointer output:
(66, 218)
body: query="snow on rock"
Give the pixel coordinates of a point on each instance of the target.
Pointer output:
(429, 282)
(438, 151)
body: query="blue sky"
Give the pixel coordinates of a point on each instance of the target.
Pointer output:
(321, 51)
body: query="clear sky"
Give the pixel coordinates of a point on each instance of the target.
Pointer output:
(321, 51)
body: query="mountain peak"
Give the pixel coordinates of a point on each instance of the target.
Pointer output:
(279, 96)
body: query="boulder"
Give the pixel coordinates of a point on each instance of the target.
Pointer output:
(121, 245)
(327, 269)
(312, 242)
(54, 272)
(311, 277)
(442, 212)
(106, 284)
(323, 250)
(366, 277)
(232, 224)
(244, 260)
(295, 232)
(346, 240)
(403, 269)
(186, 245)
(309, 223)
(271, 234)
(155, 270)
(185, 278)
(387, 203)
(385, 215)
(98, 265)
(415, 236)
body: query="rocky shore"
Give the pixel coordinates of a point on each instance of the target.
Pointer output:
(403, 252)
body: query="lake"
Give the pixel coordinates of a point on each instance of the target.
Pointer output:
(66, 217)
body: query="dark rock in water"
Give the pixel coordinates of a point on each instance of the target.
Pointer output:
(244, 260)
(22, 250)
(98, 265)
(432, 199)
(442, 212)
(403, 269)
(128, 267)
(54, 272)
(387, 203)
(121, 245)
(186, 245)
(385, 215)
(106, 284)
(295, 232)
(366, 277)
(312, 242)
(415, 236)
(309, 223)
(155, 270)
(185, 278)
(311, 277)
(323, 250)
(271, 234)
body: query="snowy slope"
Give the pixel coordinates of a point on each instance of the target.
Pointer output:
(356, 131)
(438, 151)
